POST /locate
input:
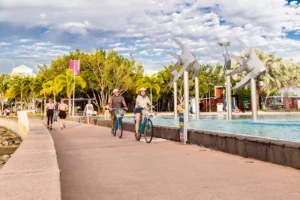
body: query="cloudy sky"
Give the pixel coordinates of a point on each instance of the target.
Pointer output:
(36, 31)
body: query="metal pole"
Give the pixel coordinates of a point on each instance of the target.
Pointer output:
(186, 104)
(175, 100)
(253, 99)
(74, 70)
(197, 96)
(229, 98)
(209, 101)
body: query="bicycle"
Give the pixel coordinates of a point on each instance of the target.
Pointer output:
(146, 127)
(82, 120)
(118, 125)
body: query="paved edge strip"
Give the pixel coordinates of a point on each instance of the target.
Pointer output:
(32, 172)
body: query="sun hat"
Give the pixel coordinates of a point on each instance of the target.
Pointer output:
(115, 90)
(142, 89)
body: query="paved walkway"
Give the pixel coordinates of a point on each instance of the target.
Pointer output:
(97, 166)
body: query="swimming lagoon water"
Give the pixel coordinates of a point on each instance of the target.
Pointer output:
(280, 127)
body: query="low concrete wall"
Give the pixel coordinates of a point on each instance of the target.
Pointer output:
(32, 172)
(274, 151)
(11, 124)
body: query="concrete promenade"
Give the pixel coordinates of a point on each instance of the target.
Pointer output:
(97, 166)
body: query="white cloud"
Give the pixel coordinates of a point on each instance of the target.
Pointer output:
(61, 47)
(25, 40)
(43, 15)
(43, 43)
(145, 53)
(4, 44)
(145, 27)
(124, 49)
(115, 45)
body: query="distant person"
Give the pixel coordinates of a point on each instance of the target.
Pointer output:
(62, 113)
(7, 112)
(50, 113)
(55, 111)
(89, 110)
(236, 110)
(179, 108)
(106, 111)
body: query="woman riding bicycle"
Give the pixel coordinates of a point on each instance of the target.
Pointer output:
(142, 101)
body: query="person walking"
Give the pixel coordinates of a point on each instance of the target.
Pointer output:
(89, 110)
(50, 114)
(62, 113)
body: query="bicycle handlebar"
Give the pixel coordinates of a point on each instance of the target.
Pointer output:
(145, 108)
(118, 109)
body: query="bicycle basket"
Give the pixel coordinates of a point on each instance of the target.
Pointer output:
(120, 113)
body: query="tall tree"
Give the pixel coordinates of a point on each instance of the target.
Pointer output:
(105, 71)
(4, 80)
(66, 81)
(52, 88)
(19, 87)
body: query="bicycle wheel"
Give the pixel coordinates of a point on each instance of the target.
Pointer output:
(148, 131)
(116, 125)
(120, 129)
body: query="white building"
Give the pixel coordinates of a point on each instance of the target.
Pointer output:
(22, 70)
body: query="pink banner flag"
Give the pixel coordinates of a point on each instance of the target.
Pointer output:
(77, 68)
(71, 65)
(75, 64)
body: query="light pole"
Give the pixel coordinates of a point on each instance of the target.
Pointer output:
(175, 99)
(227, 66)
(197, 97)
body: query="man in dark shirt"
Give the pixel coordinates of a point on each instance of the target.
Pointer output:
(116, 102)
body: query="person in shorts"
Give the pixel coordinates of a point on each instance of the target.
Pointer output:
(116, 102)
(89, 110)
(50, 113)
(62, 113)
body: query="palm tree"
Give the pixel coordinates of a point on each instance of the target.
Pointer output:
(4, 80)
(19, 87)
(35, 87)
(66, 81)
(52, 87)
(153, 82)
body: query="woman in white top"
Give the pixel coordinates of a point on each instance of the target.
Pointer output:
(89, 110)
(50, 114)
(62, 113)
(142, 101)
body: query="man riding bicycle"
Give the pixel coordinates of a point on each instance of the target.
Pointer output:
(142, 101)
(116, 102)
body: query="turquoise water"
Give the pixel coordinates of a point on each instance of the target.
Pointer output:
(279, 127)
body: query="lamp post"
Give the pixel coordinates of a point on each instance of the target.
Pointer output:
(227, 66)
(197, 97)
(175, 99)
